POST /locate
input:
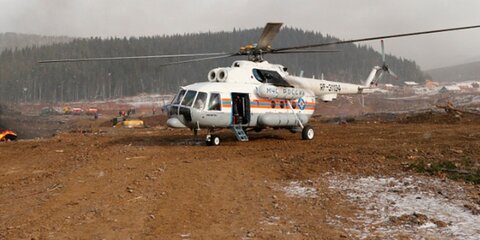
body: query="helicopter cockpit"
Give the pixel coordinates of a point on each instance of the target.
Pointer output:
(187, 102)
(197, 100)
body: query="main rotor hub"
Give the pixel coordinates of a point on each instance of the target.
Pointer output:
(254, 53)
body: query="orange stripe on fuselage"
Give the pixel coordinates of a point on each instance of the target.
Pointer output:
(309, 105)
(255, 106)
(278, 108)
(226, 105)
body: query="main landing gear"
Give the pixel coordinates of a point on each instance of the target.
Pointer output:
(212, 140)
(308, 133)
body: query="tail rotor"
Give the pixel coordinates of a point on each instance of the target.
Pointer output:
(378, 71)
(385, 67)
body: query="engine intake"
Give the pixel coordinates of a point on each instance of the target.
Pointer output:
(218, 75)
(212, 75)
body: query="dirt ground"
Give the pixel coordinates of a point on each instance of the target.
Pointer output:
(94, 182)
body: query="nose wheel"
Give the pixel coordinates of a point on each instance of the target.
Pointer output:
(212, 140)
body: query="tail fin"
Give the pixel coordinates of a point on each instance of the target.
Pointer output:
(372, 77)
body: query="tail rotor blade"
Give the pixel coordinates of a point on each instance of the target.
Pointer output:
(392, 73)
(383, 51)
(381, 75)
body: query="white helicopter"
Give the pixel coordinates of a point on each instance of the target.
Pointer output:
(254, 94)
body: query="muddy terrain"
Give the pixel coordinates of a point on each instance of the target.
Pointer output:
(411, 177)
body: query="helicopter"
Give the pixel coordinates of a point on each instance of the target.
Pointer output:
(254, 94)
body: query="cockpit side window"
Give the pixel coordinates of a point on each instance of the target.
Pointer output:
(257, 75)
(215, 103)
(200, 101)
(189, 97)
(179, 97)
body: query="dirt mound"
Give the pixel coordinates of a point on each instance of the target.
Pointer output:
(156, 120)
(149, 121)
(429, 117)
(439, 117)
(28, 126)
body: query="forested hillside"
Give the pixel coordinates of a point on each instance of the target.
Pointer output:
(23, 79)
(20, 40)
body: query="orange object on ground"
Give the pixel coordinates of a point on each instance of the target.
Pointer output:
(7, 135)
(92, 111)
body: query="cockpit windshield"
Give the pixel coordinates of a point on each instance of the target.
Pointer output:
(188, 99)
(179, 97)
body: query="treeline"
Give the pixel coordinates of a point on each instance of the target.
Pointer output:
(11, 40)
(23, 79)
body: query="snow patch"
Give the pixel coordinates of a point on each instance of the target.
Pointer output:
(416, 207)
(297, 189)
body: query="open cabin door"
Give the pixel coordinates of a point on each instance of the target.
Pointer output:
(240, 108)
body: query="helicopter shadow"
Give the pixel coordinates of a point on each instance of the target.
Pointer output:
(187, 140)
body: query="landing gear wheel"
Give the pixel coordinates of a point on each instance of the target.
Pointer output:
(215, 140)
(212, 140)
(308, 133)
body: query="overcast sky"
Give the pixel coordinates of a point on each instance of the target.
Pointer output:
(342, 18)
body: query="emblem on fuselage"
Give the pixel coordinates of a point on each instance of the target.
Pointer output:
(301, 104)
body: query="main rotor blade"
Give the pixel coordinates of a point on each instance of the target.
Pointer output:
(200, 59)
(307, 51)
(269, 33)
(128, 58)
(375, 38)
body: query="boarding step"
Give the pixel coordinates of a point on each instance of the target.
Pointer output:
(239, 133)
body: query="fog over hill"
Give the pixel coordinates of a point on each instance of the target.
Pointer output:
(457, 73)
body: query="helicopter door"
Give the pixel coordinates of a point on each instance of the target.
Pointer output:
(240, 108)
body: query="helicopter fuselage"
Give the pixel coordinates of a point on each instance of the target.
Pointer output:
(222, 105)
(254, 95)
(248, 94)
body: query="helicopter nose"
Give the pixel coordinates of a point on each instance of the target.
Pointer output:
(175, 123)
